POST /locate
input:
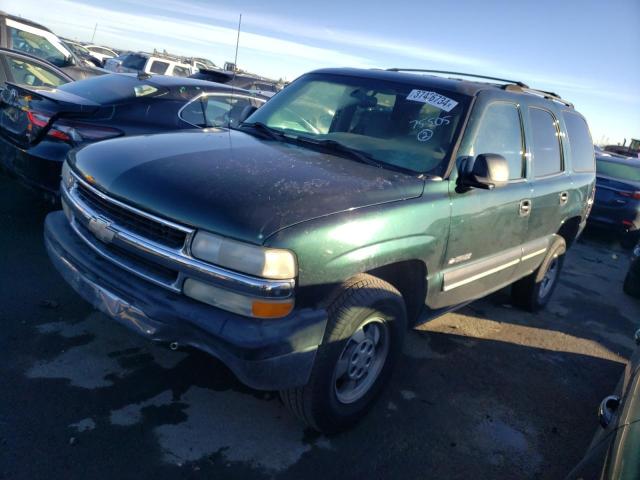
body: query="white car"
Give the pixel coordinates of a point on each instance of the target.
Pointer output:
(101, 53)
(150, 63)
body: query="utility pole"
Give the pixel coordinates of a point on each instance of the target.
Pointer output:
(94, 33)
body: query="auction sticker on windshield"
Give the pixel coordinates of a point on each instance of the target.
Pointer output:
(432, 98)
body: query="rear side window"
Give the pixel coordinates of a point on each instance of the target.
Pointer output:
(135, 62)
(27, 72)
(580, 143)
(545, 144)
(158, 67)
(500, 132)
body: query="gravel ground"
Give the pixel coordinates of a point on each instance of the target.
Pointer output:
(487, 392)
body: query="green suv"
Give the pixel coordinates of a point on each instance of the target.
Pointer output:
(299, 246)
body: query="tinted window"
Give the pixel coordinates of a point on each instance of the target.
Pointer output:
(105, 89)
(580, 142)
(623, 171)
(135, 62)
(545, 144)
(158, 67)
(36, 45)
(27, 72)
(395, 123)
(500, 132)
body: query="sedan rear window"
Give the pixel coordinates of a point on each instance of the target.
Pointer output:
(622, 171)
(113, 88)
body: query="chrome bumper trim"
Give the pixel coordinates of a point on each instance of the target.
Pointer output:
(178, 260)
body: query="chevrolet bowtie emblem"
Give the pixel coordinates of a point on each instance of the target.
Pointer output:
(100, 228)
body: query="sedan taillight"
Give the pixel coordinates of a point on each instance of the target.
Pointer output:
(634, 195)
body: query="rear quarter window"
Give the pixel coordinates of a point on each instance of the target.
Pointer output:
(580, 142)
(158, 67)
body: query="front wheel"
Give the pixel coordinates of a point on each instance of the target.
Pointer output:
(364, 336)
(534, 291)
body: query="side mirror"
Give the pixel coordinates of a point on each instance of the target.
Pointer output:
(70, 61)
(486, 171)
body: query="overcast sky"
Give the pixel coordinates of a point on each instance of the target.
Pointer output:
(587, 51)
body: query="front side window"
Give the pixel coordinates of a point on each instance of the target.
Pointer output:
(500, 132)
(36, 45)
(26, 72)
(158, 67)
(396, 124)
(580, 143)
(545, 144)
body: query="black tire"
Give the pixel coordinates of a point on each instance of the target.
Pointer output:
(528, 292)
(355, 303)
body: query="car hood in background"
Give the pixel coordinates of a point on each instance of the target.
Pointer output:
(235, 184)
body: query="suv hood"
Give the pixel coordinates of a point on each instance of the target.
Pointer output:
(234, 184)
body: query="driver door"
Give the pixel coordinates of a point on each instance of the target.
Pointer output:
(488, 227)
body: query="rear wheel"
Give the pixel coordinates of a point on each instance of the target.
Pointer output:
(364, 336)
(534, 291)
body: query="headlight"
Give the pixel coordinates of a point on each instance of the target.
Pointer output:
(67, 176)
(261, 262)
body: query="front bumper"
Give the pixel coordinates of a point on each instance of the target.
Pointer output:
(263, 354)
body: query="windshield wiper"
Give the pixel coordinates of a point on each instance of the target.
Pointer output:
(338, 147)
(272, 133)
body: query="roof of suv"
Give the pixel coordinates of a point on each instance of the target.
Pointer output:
(460, 85)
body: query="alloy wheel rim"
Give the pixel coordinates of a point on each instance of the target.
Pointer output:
(361, 361)
(549, 278)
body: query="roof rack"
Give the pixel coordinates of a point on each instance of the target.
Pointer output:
(541, 93)
(510, 85)
(473, 75)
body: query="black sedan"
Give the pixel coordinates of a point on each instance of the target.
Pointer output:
(39, 125)
(617, 202)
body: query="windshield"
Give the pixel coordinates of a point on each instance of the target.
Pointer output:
(619, 170)
(393, 123)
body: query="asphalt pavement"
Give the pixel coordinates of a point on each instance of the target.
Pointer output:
(487, 392)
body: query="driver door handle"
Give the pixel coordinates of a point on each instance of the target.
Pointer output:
(564, 198)
(525, 207)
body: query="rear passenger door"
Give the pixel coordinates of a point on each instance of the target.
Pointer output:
(551, 181)
(487, 226)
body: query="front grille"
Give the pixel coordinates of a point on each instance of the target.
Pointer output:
(145, 227)
(161, 274)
